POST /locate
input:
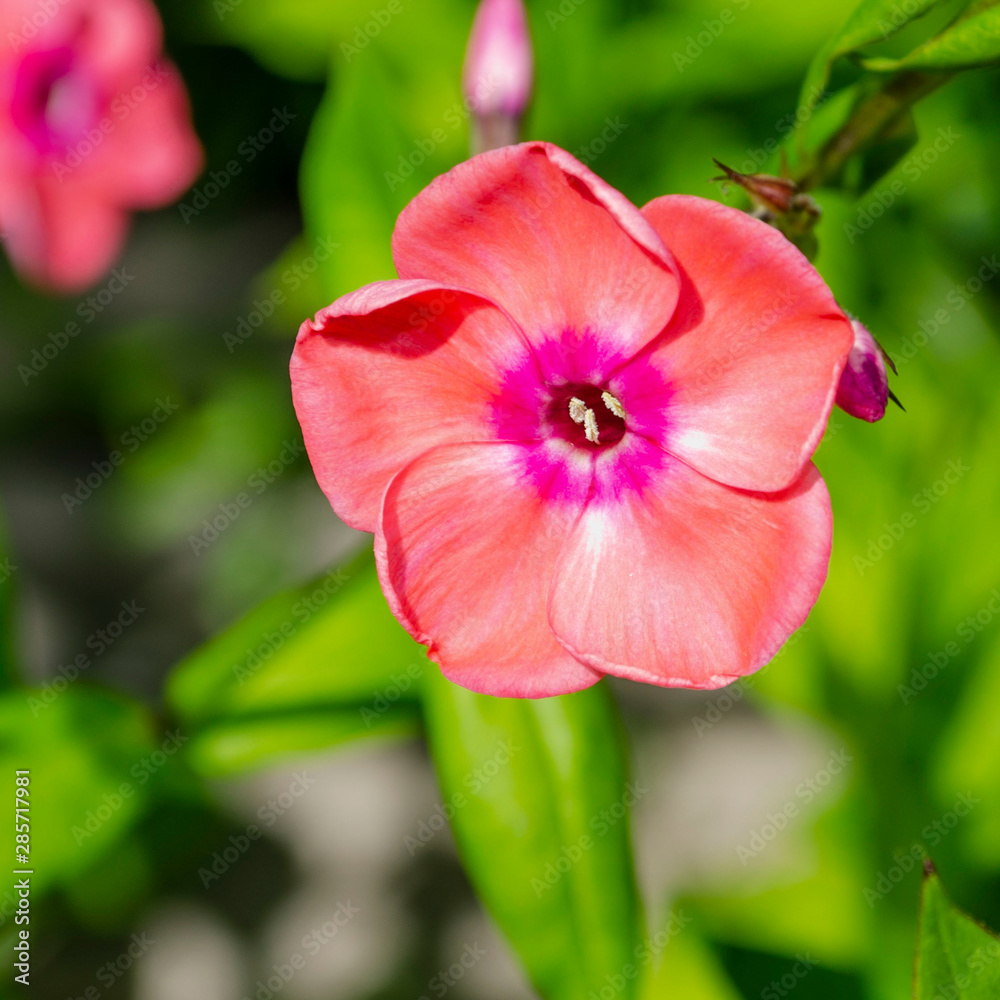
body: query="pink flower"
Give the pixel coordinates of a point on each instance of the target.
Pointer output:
(93, 124)
(580, 433)
(864, 385)
(498, 72)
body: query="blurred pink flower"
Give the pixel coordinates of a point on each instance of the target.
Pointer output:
(498, 72)
(864, 385)
(580, 433)
(94, 124)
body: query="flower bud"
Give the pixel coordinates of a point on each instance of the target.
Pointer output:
(864, 385)
(498, 72)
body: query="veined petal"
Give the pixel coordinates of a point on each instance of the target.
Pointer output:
(534, 230)
(753, 354)
(465, 553)
(389, 372)
(684, 582)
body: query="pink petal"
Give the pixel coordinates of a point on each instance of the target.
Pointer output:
(61, 236)
(688, 583)
(151, 155)
(390, 371)
(547, 240)
(465, 554)
(754, 351)
(120, 39)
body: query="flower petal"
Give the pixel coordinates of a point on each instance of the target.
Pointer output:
(465, 553)
(61, 236)
(390, 371)
(687, 583)
(534, 230)
(151, 156)
(754, 351)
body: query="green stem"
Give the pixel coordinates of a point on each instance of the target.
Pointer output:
(871, 118)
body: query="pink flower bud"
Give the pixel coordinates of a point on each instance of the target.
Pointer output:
(864, 385)
(498, 72)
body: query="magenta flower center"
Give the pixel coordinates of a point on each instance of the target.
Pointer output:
(54, 103)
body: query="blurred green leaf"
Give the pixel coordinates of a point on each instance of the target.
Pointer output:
(8, 657)
(537, 796)
(331, 642)
(309, 668)
(956, 957)
(872, 21)
(685, 966)
(234, 747)
(969, 42)
(88, 757)
(355, 140)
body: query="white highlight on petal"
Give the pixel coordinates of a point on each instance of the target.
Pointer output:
(613, 405)
(590, 427)
(577, 410)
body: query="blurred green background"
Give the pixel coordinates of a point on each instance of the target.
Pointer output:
(778, 834)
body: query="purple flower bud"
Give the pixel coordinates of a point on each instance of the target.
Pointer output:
(864, 385)
(499, 67)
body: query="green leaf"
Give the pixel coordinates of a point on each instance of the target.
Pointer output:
(330, 643)
(309, 668)
(955, 956)
(536, 792)
(8, 570)
(971, 41)
(872, 21)
(90, 774)
(245, 744)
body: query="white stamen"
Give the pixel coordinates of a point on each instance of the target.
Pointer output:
(613, 405)
(577, 410)
(590, 427)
